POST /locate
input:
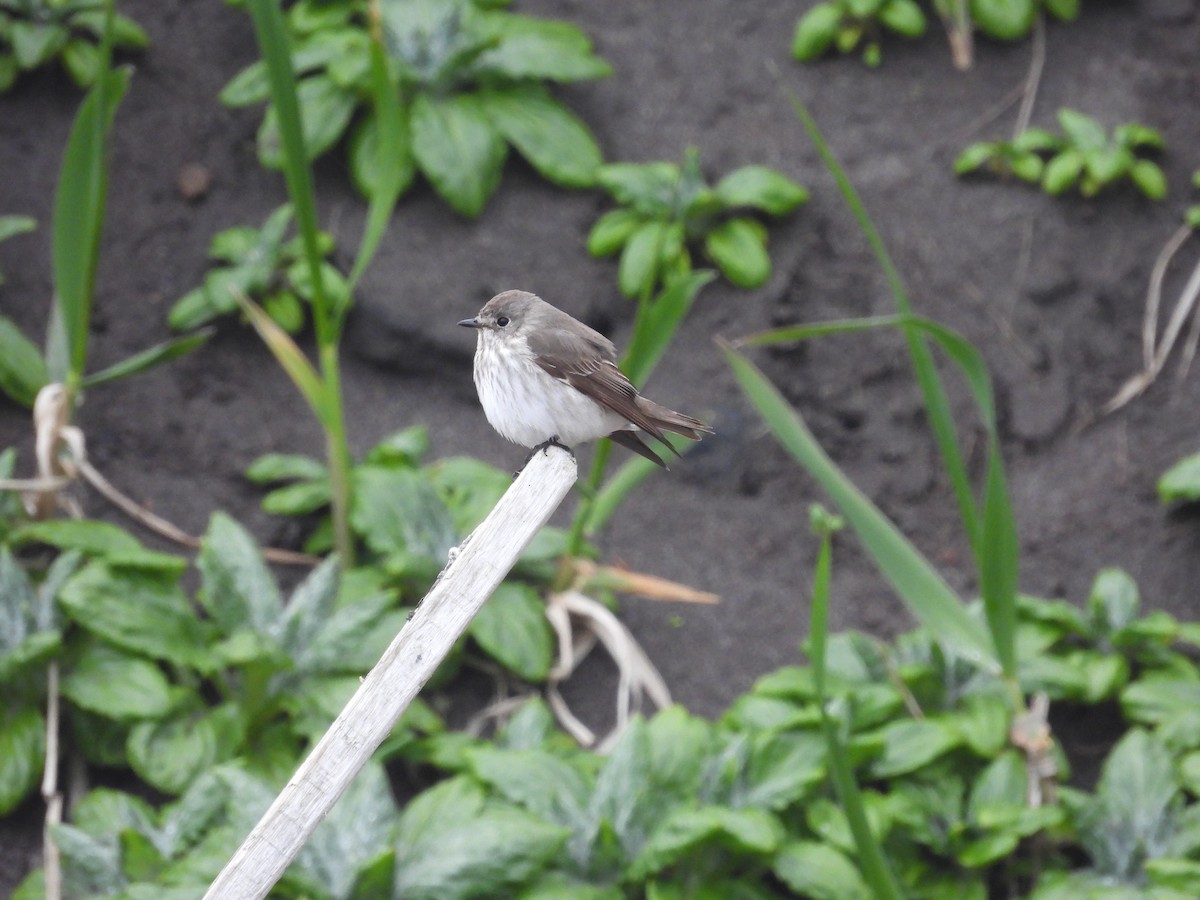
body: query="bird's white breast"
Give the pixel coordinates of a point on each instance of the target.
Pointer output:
(526, 405)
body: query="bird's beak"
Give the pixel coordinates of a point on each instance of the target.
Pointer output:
(470, 323)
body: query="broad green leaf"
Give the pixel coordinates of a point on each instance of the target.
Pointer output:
(398, 511)
(469, 487)
(171, 753)
(1107, 164)
(22, 369)
(353, 637)
(1062, 172)
(1181, 482)
(752, 832)
(147, 359)
(974, 157)
(739, 248)
(284, 467)
(819, 871)
(116, 685)
(1003, 783)
(1149, 179)
(247, 87)
(91, 866)
(11, 226)
(816, 31)
(1153, 700)
(1113, 603)
(22, 753)
(984, 723)
(550, 137)
(298, 499)
(612, 230)
(78, 219)
(34, 42)
(542, 783)
(451, 845)
(1067, 10)
(903, 17)
(237, 589)
(512, 629)
(1005, 20)
(909, 744)
(649, 188)
(458, 149)
(139, 610)
(356, 831)
(529, 48)
(325, 109)
(1083, 131)
(638, 271)
(762, 188)
(782, 768)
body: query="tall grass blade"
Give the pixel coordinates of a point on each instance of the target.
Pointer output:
(78, 221)
(271, 29)
(626, 480)
(936, 404)
(153, 356)
(871, 858)
(389, 117)
(999, 562)
(656, 322)
(290, 357)
(932, 600)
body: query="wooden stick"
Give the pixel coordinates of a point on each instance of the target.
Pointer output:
(475, 569)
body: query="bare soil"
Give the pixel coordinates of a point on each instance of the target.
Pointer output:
(1051, 290)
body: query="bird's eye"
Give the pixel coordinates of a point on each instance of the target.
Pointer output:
(502, 321)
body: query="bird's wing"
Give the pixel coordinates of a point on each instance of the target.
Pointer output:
(587, 363)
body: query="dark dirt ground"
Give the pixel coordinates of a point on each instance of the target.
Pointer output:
(1050, 289)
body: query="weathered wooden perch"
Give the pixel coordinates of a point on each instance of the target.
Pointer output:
(475, 569)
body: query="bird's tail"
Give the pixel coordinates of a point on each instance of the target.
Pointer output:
(669, 420)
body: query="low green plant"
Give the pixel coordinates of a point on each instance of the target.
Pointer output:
(1010, 20)
(668, 210)
(259, 263)
(471, 81)
(34, 33)
(1083, 156)
(11, 226)
(849, 25)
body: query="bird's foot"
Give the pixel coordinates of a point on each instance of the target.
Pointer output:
(544, 446)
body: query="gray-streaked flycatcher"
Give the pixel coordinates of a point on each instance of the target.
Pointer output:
(546, 378)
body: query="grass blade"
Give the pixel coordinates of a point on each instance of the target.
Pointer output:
(924, 590)
(999, 559)
(871, 858)
(389, 116)
(289, 356)
(271, 29)
(78, 220)
(146, 359)
(936, 404)
(657, 321)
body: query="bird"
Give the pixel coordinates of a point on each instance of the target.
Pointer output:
(546, 379)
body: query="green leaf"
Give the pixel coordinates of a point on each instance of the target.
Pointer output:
(1005, 20)
(742, 831)
(458, 149)
(11, 226)
(325, 110)
(638, 270)
(782, 768)
(1027, 167)
(284, 467)
(237, 588)
(34, 43)
(149, 358)
(172, 753)
(1133, 812)
(1181, 482)
(354, 834)
(1066, 10)
(1107, 164)
(657, 322)
(1133, 135)
(22, 753)
(815, 31)
(984, 724)
(612, 230)
(1062, 172)
(140, 610)
(1113, 603)
(398, 511)
(974, 157)
(91, 866)
(247, 87)
(550, 137)
(450, 845)
(512, 629)
(649, 188)
(903, 17)
(113, 684)
(1149, 178)
(22, 369)
(819, 871)
(540, 782)
(527, 48)
(78, 218)
(739, 248)
(1153, 700)
(1084, 132)
(298, 499)
(762, 188)
(909, 744)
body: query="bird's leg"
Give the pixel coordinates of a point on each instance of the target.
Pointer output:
(545, 445)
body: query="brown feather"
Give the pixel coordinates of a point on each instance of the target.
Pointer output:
(630, 441)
